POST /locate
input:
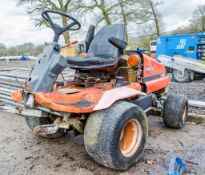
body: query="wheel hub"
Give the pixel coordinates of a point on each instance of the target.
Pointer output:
(130, 138)
(180, 73)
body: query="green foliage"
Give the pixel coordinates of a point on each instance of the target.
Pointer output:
(24, 49)
(142, 42)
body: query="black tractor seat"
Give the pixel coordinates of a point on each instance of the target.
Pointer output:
(102, 53)
(91, 61)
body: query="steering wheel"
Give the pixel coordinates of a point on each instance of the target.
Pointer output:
(74, 24)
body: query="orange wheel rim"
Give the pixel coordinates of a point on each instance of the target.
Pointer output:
(130, 138)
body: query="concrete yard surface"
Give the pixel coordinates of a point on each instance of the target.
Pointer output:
(23, 153)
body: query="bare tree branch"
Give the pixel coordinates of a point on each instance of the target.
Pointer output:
(36, 7)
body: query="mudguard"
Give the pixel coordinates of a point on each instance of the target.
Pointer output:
(84, 100)
(111, 96)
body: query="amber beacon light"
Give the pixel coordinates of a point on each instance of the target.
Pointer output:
(134, 60)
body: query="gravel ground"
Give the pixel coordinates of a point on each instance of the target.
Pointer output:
(23, 153)
(193, 90)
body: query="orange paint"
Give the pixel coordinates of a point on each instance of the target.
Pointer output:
(17, 96)
(72, 99)
(82, 55)
(83, 101)
(135, 86)
(157, 84)
(152, 67)
(134, 60)
(155, 70)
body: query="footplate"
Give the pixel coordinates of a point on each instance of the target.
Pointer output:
(45, 130)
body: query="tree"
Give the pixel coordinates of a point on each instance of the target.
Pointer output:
(137, 12)
(143, 42)
(39, 49)
(101, 9)
(198, 21)
(155, 14)
(150, 14)
(127, 13)
(36, 7)
(143, 13)
(3, 49)
(23, 49)
(111, 12)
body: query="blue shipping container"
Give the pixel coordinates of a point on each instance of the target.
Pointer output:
(191, 46)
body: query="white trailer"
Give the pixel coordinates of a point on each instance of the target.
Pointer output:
(153, 48)
(183, 69)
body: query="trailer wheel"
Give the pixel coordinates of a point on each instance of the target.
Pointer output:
(175, 111)
(180, 76)
(199, 76)
(116, 137)
(32, 122)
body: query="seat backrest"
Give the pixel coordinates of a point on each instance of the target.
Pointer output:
(89, 37)
(101, 47)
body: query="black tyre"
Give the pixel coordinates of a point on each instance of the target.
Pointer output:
(116, 137)
(32, 122)
(175, 111)
(180, 76)
(199, 76)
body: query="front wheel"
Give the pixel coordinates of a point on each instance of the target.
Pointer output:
(181, 76)
(175, 111)
(116, 137)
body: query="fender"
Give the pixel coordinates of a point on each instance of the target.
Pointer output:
(111, 96)
(84, 101)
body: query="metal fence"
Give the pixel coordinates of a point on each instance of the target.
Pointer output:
(13, 80)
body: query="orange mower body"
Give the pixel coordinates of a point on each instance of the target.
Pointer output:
(108, 99)
(72, 99)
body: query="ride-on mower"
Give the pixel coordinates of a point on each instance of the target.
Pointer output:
(108, 100)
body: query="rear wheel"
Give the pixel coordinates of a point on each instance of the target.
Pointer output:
(32, 122)
(181, 76)
(175, 111)
(116, 137)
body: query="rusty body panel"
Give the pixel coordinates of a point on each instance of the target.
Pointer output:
(72, 99)
(18, 96)
(80, 102)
